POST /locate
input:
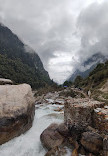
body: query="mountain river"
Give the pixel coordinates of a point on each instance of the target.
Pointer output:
(29, 144)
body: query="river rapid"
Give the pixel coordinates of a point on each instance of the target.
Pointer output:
(29, 144)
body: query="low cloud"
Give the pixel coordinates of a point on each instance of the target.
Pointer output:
(93, 24)
(75, 29)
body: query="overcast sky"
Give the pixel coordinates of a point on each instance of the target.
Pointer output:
(63, 32)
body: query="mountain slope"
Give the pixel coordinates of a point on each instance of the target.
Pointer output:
(21, 59)
(96, 82)
(97, 77)
(88, 66)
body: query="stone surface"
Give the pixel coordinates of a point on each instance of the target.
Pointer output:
(51, 138)
(82, 151)
(63, 130)
(75, 152)
(105, 145)
(105, 87)
(92, 142)
(80, 110)
(100, 119)
(91, 129)
(59, 101)
(75, 132)
(5, 81)
(80, 128)
(57, 151)
(16, 110)
(50, 98)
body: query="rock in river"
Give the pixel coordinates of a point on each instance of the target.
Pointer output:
(16, 110)
(51, 138)
(63, 130)
(92, 142)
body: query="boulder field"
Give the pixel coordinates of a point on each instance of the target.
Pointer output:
(17, 110)
(85, 129)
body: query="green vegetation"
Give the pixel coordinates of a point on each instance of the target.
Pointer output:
(92, 62)
(72, 93)
(78, 81)
(67, 83)
(95, 79)
(105, 96)
(44, 90)
(21, 73)
(19, 64)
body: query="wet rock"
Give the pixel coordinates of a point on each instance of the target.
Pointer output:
(51, 138)
(82, 151)
(59, 109)
(40, 100)
(74, 135)
(59, 101)
(16, 110)
(57, 151)
(5, 81)
(49, 101)
(63, 130)
(92, 142)
(75, 132)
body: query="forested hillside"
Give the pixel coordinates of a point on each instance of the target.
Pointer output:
(87, 66)
(20, 63)
(96, 78)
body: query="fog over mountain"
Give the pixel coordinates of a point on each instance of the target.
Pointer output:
(64, 33)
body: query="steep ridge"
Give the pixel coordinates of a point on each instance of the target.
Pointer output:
(96, 82)
(88, 66)
(97, 77)
(19, 60)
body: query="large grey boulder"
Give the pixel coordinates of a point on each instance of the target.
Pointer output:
(17, 110)
(5, 81)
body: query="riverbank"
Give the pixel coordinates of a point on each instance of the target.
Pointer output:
(85, 126)
(62, 108)
(29, 144)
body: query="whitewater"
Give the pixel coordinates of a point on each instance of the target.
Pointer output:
(29, 144)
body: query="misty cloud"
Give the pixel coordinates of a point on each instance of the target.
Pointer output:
(93, 24)
(64, 33)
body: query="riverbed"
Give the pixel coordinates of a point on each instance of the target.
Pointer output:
(29, 144)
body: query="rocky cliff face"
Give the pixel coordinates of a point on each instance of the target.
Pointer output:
(16, 110)
(16, 57)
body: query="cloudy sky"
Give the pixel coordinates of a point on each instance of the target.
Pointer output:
(64, 33)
